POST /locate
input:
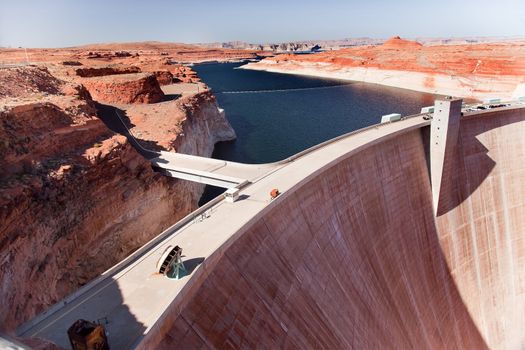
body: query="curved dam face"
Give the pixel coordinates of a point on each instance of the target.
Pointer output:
(482, 234)
(353, 256)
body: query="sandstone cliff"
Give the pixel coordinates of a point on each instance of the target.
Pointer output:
(74, 197)
(180, 125)
(474, 71)
(125, 88)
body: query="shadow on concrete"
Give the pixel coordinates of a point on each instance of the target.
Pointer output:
(243, 197)
(190, 265)
(122, 327)
(100, 302)
(471, 164)
(117, 120)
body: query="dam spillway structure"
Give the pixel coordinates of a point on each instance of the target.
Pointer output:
(400, 235)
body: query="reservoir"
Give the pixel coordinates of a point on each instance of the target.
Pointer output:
(277, 115)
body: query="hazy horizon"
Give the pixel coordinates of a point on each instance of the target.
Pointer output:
(63, 23)
(504, 37)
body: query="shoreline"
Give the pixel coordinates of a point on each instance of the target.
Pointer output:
(433, 83)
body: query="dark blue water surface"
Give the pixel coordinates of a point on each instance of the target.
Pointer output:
(277, 115)
(304, 111)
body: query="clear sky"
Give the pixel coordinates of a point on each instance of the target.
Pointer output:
(59, 23)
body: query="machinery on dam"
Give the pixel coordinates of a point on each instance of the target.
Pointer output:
(85, 335)
(171, 261)
(405, 234)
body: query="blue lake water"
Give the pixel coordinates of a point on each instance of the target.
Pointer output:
(277, 115)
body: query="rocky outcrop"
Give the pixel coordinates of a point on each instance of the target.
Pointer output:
(102, 71)
(108, 55)
(164, 77)
(184, 74)
(76, 217)
(473, 71)
(396, 42)
(71, 63)
(33, 131)
(207, 121)
(167, 72)
(125, 88)
(75, 198)
(40, 117)
(190, 125)
(28, 81)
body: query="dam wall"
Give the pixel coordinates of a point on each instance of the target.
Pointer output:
(482, 231)
(354, 257)
(349, 258)
(350, 255)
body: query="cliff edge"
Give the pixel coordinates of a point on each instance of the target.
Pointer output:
(75, 196)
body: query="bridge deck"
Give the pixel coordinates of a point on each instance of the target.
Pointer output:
(208, 170)
(131, 297)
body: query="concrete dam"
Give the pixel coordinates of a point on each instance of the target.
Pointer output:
(403, 235)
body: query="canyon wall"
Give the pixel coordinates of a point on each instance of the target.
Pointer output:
(472, 71)
(180, 125)
(353, 256)
(74, 197)
(207, 122)
(125, 88)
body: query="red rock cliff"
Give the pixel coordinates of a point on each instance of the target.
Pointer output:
(74, 197)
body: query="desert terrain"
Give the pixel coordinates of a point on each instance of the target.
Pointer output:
(479, 71)
(75, 196)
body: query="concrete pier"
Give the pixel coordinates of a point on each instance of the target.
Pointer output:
(443, 145)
